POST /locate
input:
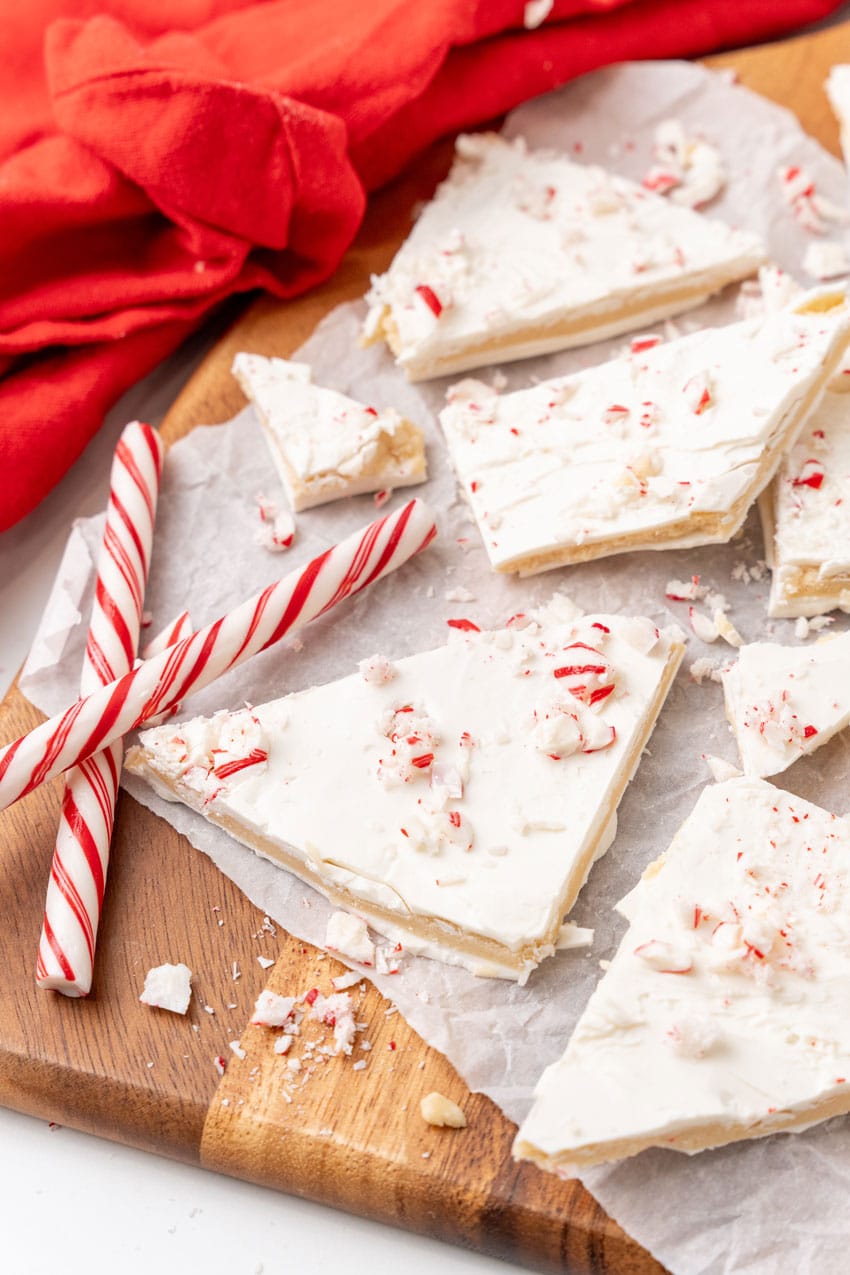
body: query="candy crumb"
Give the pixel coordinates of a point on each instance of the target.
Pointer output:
(706, 668)
(721, 769)
(168, 987)
(343, 981)
(726, 629)
(349, 935)
(441, 1111)
(271, 1010)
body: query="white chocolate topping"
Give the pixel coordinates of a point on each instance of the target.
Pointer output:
(784, 701)
(723, 1014)
(445, 807)
(516, 243)
(326, 445)
(664, 448)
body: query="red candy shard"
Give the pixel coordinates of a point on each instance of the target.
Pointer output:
(811, 475)
(431, 299)
(466, 626)
(255, 756)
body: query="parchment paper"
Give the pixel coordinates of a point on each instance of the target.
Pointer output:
(734, 1209)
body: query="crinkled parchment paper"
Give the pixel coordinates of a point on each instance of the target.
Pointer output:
(735, 1209)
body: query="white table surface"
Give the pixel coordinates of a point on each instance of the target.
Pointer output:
(76, 1205)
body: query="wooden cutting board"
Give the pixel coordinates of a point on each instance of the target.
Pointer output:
(355, 1140)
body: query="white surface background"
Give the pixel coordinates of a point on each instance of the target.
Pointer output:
(75, 1204)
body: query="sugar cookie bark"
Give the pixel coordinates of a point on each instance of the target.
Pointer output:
(324, 444)
(524, 252)
(723, 1014)
(473, 785)
(805, 514)
(784, 701)
(665, 448)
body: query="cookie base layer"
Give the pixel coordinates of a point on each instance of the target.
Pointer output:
(699, 529)
(690, 1142)
(801, 589)
(584, 329)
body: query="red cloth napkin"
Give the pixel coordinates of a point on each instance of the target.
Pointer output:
(156, 158)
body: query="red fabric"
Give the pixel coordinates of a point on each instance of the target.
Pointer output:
(156, 158)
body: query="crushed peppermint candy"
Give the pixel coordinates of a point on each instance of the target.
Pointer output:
(664, 957)
(277, 531)
(685, 590)
(414, 739)
(377, 670)
(691, 1038)
(168, 987)
(349, 935)
(272, 1010)
(698, 393)
(706, 668)
(704, 628)
(811, 475)
(726, 629)
(388, 960)
(337, 1011)
(429, 298)
(343, 981)
(811, 210)
(721, 770)
(587, 674)
(237, 1049)
(689, 169)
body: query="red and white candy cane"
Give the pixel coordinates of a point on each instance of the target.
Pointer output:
(91, 724)
(81, 856)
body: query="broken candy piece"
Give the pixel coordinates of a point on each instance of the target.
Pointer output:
(168, 987)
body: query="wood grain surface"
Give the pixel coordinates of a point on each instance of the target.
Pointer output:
(355, 1140)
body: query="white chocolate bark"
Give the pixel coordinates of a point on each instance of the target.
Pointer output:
(784, 701)
(324, 444)
(665, 448)
(723, 1014)
(524, 252)
(471, 791)
(806, 514)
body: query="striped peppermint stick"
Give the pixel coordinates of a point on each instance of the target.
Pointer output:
(93, 723)
(81, 856)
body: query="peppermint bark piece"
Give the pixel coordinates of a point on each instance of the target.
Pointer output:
(324, 444)
(473, 785)
(785, 701)
(525, 252)
(723, 1014)
(805, 514)
(665, 448)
